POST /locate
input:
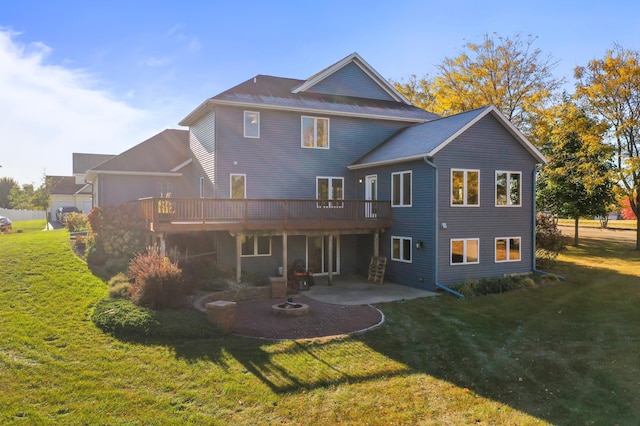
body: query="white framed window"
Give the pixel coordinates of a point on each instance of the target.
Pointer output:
(401, 189)
(238, 186)
(256, 246)
(401, 249)
(251, 124)
(164, 189)
(331, 189)
(465, 187)
(465, 251)
(508, 188)
(508, 249)
(315, 132)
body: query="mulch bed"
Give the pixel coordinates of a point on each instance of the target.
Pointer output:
(253, 318)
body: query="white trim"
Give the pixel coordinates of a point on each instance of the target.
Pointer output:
(465, 188)
(231, 175)
(181, 165)
(209, 104)
(364, 66)
(244, 124)
(508, 248)
(402, 173)
(402, 239)
(255, 246)
(315, 132)
(465, 253)
(331, 201)
(495, 184)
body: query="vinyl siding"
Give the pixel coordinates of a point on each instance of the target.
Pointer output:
(351, 80)
(276, 166)
(415, 222)
(118, 189)
(487, 147)
(202, 137)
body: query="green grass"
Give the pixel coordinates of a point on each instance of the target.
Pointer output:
(565, 353)
(614, 224)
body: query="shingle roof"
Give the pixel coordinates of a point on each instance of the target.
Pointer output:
(426, 139)
(84, 162)
(65, 185)
(276, 92)
(159, 154)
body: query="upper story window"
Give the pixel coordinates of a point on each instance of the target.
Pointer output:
(508, 188)
(401, 189)
(164, 189)
(465, 187)
(401, 249)
(329, 188)
(315, 132)
(251, 124)
(238, 188)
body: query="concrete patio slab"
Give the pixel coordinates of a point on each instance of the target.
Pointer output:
(361, 292)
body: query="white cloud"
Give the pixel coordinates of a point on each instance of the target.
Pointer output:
(48, 112)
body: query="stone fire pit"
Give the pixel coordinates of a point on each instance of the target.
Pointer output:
(291, 309)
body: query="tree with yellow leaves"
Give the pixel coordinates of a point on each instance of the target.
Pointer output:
(610, 89)
(507, 72)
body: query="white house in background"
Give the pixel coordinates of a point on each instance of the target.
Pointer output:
(73, 190)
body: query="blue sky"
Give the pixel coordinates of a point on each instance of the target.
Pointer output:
(102, 76)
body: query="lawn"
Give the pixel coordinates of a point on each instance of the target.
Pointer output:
(566, 353)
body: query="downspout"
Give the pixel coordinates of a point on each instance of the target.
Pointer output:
(533, 236)
(437, 232)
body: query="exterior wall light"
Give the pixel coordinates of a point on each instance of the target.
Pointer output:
(419, 244)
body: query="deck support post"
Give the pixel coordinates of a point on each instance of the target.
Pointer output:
(285, 268)
(330, 260)
(238, 258)
(163, 244)
(376, 243)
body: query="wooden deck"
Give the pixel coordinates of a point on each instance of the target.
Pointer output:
(263, 215)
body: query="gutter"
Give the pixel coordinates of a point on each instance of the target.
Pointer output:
(437, 232)
(533, 236)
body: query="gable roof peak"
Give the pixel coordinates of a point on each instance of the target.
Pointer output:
(356, 59)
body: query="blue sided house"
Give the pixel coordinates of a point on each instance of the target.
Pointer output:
(335, 170)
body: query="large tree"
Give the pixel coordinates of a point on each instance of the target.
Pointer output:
(507, 72)
(6, 184)
(610, 89)
(577, 181)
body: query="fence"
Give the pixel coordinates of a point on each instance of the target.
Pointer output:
(15, 215)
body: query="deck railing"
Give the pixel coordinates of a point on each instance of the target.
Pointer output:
(166, 214)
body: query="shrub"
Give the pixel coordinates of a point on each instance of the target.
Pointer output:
(116, 265)
(115, 233)
(549, 239)
(76, 222)
(119, 286)
(157, 282)
(122, 318)
(494, 285)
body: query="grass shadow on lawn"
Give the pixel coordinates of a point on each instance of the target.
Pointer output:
(566, 353)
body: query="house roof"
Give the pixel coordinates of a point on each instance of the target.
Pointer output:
(263, 91)
(66, 185)
(164, 153)
(363, 65)
(425, 140)
(84, 162)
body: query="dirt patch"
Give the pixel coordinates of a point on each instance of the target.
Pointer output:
(253, 318)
